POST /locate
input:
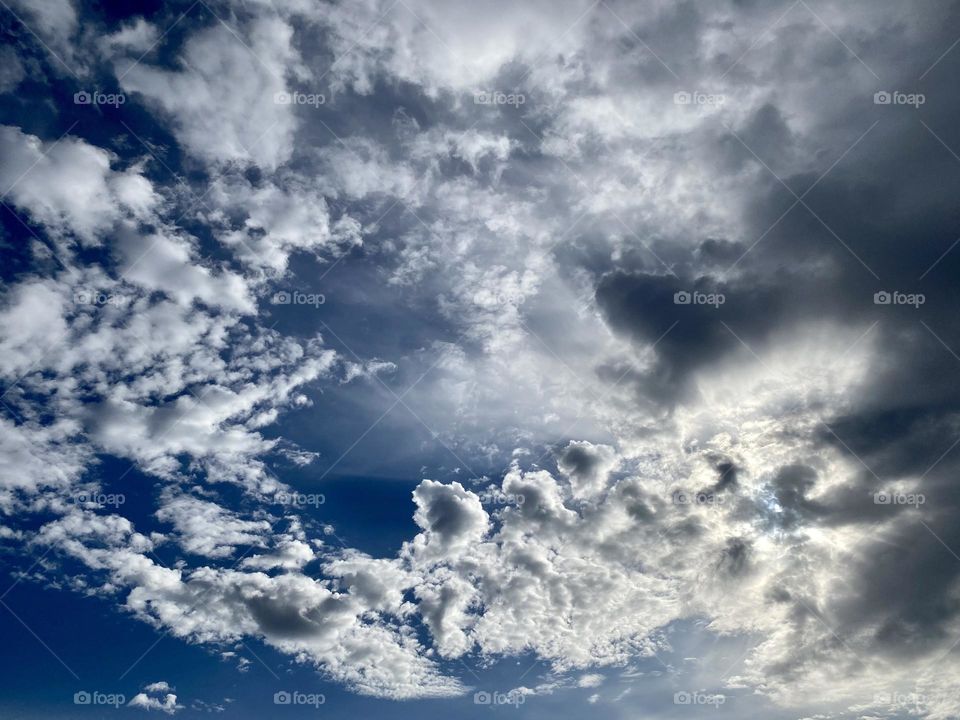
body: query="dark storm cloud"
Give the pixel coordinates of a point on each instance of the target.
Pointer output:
(645, 306)
(903, 588)
(879, 221)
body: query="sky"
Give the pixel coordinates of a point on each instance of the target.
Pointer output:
(440, 358)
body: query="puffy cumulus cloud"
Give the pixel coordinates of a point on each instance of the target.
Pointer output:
(543, 580)
(590, 680)
(730, 548)
(169, 264)
(715, 557)
(92, 538)
(580, 586)
(443, 602)
(39, 457)
(156, 696)
(296, 614)
(379, 582)
(216, 426)
(587, 466)
(184, 399)
(502, 593)
(451, 517)
(289, 555)
(68, 185)
(143, 354)
(223, 105)
(32, 325)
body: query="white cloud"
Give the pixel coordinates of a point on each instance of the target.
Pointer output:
(156, 696)
(167, 263)
(590, 680)
(68, 185)
(264, 225)
(11, 70)
(207, 529)
(222, 106)
(445, 45)
(452, 518)
(136, 38)
(290, 555)
(56, 22)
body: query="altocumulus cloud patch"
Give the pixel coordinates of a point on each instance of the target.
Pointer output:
(427, 358)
